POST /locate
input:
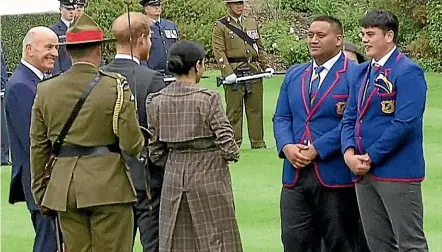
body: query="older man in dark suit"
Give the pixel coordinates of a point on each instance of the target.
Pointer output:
(39, 55)
(142, 82)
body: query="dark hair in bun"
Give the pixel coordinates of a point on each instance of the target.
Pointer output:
(183, 56)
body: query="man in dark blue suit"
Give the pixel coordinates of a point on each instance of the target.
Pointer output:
(318, 200)
(382, 139)
(4, 130)
(142, 82)
(68, 12)
(164, 34)
(39, 55)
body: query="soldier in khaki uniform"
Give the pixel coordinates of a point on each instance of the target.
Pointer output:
(236, 58)
(90, 187)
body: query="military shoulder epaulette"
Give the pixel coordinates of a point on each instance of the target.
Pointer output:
(219, 19)
(120, 78)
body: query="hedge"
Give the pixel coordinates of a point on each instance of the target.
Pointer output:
(420, 30)
(13, 30)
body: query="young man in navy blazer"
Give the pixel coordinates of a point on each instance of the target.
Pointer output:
(317, 199)
(382, 139)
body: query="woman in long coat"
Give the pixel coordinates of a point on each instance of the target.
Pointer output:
(193, 139)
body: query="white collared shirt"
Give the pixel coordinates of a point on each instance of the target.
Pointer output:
(128, 57)
(37, 72)
(154, 21)
(384, 59)
(327, 67)
(67, 23)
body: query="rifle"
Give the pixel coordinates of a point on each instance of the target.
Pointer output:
(170, 78)
(222, 80)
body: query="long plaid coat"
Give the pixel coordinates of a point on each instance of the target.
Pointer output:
(193, 139)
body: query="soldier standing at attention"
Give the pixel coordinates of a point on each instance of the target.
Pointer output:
(239, 52)
(81, 5)
(164, 34)
(68, 11)
(89, 185)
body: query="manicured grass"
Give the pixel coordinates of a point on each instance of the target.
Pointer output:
(257, 183)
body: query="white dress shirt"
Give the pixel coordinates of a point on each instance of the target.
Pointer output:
(384, 59)
(327, 67)
(37, 72)
(128, 57)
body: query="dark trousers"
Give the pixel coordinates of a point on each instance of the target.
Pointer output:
(146, 214)
(4, 135)
(45, 240)
(311, 212)
(392, 214)
(361, 241)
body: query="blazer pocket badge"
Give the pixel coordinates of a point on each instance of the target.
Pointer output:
(340, 107)
(388, 106)
(384, 85)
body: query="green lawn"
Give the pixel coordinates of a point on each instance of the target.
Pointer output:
(257, 184)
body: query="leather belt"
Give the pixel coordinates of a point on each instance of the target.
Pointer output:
(78, 150)
(241, 59)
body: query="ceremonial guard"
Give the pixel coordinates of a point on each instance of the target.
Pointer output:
(238, 49)
(77, 169)
(164, 34)
(68, 12)
(81, 6)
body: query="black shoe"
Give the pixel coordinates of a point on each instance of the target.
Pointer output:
(6, 163)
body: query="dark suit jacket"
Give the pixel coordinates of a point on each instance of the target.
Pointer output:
(19, 98)
(63, 63)
(147, 81)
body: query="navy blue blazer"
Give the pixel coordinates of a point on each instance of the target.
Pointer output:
(63, 63)
(296, 121)
(388, 123)
(19, 98)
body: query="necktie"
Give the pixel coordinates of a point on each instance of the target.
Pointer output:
(157, 23)
(375, 69)
(314, 85)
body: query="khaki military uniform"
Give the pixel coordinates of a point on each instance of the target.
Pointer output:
(93, 195)
(227, 48)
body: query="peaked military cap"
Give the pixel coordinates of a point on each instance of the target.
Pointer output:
(150, 2)
(68, 4)
(81, 2)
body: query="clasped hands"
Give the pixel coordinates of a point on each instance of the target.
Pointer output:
(300, 155)
(358, 164)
